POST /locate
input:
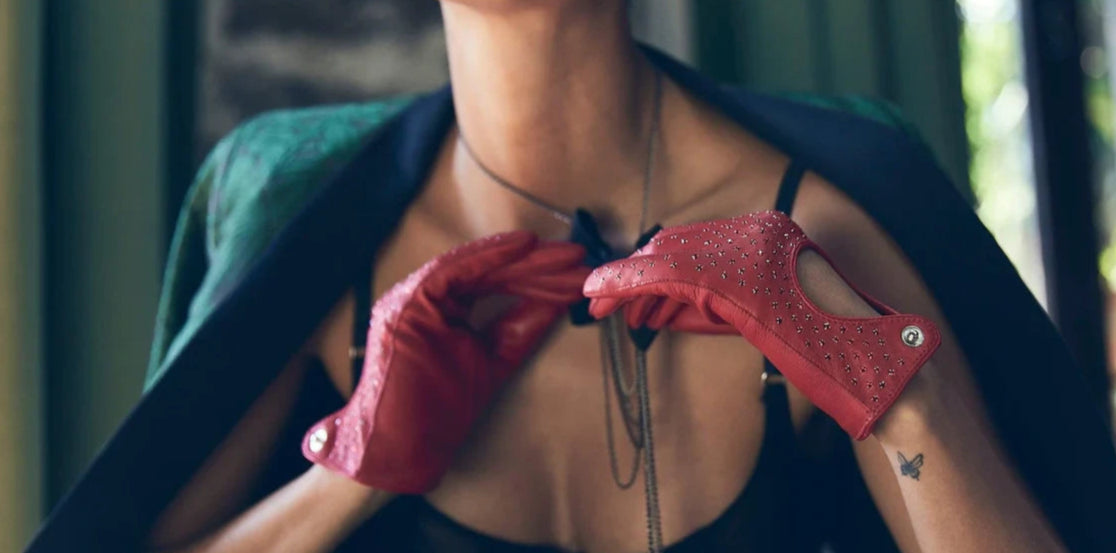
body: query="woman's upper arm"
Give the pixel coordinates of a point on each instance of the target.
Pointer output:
(868, 258)
(225, 482)
(223, 486)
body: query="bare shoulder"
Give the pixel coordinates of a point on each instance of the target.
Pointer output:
(870, 259)
(863, 251)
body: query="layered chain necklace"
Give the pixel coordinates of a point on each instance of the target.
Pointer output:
(631, 390)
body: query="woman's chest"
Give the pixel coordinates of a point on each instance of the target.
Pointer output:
(541, 466)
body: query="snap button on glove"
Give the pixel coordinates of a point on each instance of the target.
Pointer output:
(428, 375)
(740, 273)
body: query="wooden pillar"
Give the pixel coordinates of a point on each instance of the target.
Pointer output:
(103, 120)
(1064, 185)
(21, 408)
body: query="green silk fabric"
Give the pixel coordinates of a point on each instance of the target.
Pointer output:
(248, 188)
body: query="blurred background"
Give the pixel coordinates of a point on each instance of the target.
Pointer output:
(107, 106)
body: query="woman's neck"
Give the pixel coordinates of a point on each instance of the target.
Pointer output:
(554, 97)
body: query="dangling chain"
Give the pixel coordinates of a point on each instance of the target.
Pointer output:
(610, 339)
(643, 441)
(612, 362)
(650, 476)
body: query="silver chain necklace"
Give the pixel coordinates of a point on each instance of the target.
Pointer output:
(638, 425)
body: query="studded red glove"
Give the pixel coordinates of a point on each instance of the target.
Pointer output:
(741, 273)
(427, 374)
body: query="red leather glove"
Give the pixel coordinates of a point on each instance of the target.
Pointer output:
(741, 273)
(427, 374)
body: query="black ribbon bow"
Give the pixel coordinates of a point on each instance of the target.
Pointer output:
(597, 252)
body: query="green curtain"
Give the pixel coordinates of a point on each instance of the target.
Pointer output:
(904, 51)
(104, 140)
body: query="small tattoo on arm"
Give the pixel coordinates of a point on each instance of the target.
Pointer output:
(910, 467)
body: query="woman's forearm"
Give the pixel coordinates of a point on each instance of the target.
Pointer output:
(961, 493)
(314, 512)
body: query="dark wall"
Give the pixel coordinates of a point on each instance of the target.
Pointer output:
(259, 55)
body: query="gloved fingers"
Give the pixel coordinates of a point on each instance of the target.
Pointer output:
(605, 301)
(602, 307)
(465, 266)
(688, 319)
(552, 272)
(659, 312)
(561, 287)
(663, 314)
(557, 289)
(638, 310)
(479, 307)
(630, 276)
(547, 257)
(518, 333)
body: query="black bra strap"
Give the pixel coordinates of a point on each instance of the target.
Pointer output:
(362, 310)
(784, 201)
(779, 432)
(788, 189)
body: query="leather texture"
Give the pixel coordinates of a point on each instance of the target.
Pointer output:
(428, 373)
(740, 273)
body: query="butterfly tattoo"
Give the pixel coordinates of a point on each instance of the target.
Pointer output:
(910, 467)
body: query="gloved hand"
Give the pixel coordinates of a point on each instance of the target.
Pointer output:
(427, 374)
(740, 273)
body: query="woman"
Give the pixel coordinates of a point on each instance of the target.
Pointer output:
(554, 107)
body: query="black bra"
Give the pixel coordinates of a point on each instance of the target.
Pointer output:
(760, 519)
